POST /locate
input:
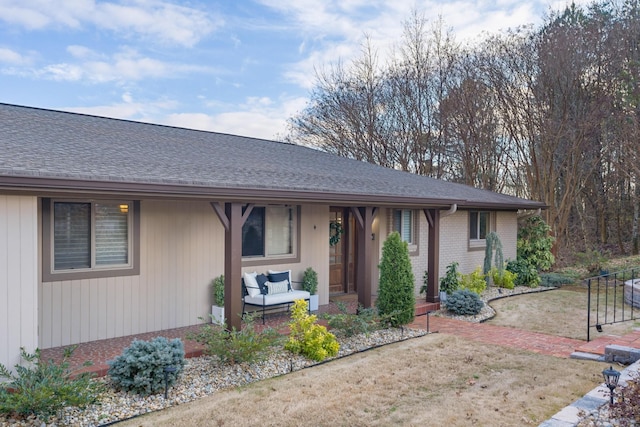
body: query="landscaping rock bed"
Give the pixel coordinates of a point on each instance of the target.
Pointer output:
(202, 377)
(489, 294)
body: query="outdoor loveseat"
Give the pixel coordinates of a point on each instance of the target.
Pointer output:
(270, 290)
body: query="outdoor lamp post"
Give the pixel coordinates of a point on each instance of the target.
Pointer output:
(167, 370)
(611, 377)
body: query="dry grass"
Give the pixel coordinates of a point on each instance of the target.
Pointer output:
(561, 312)
(430, 381)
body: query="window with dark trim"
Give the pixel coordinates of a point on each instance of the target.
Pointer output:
(269, 232)
(85, 239)
(479, 225)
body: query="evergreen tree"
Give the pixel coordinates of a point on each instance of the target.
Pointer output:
(396, 297)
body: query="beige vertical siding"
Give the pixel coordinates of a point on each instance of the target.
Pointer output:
(18, 277)
(181, 250)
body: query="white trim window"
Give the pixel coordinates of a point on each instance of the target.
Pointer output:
(269, 232)
(403, 224)
(479, 225)
(91, 235)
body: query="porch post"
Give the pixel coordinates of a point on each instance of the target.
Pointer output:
(364, 220)
(433, 255)
(232, 220)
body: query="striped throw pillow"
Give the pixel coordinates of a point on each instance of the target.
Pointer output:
(277, 287)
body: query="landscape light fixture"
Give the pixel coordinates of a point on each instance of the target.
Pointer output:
(611, 378)
(167, 370)
(429, 314)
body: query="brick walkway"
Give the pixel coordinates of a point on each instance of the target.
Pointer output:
(499, 335)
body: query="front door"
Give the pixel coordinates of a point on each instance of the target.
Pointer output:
(337, 261)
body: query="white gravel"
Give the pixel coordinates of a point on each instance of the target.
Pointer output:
(202, 376)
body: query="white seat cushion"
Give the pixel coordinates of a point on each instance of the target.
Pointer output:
(272, 299)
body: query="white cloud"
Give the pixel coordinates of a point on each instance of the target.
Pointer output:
(129, 109)
(127, 65)
(11, 57)
(154, 20)
(257, 117)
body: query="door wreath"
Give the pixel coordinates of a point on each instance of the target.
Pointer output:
(335, 233)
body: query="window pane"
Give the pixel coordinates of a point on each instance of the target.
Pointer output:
(279, 223)
(253, 233)
(397, 221)
(484, 224)
(112, 234)
(406, 226)
(71, 236)
(473, 225)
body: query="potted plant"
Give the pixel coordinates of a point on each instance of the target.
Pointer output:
(450, 281)
(310, 284)
(217, 310)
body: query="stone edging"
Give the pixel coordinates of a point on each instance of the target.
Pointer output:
(589, 405)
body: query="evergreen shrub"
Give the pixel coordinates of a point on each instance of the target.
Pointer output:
(42, 388)
(474, 281)
(237, 346)
(140, 367)
(307, 337)
(464, 302)
(526, 274)
(396, 294)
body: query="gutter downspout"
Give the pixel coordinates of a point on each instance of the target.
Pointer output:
(451, 211)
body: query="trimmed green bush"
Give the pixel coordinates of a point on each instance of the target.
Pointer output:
(396, 292)
(474, 281)
(464, 302)
(307, 337)
(140, 367)
(526, 274)
(217, 286)
(243, 346)
(310, 281)
(42, 388)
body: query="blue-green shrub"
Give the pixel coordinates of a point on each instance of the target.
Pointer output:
(140, 367)
(464, 302)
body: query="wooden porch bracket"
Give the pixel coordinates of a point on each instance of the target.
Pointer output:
(433, 255)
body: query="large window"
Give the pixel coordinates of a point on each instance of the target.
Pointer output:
(269, 232)
(403, 224)
(85, 237)
(478, 225)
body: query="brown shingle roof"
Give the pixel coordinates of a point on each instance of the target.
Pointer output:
(45, 149)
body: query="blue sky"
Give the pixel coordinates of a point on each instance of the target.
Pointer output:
(233, 66)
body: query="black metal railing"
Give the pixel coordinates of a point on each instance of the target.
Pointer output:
(612, 298)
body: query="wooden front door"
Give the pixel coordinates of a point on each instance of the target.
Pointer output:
(337, 253)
